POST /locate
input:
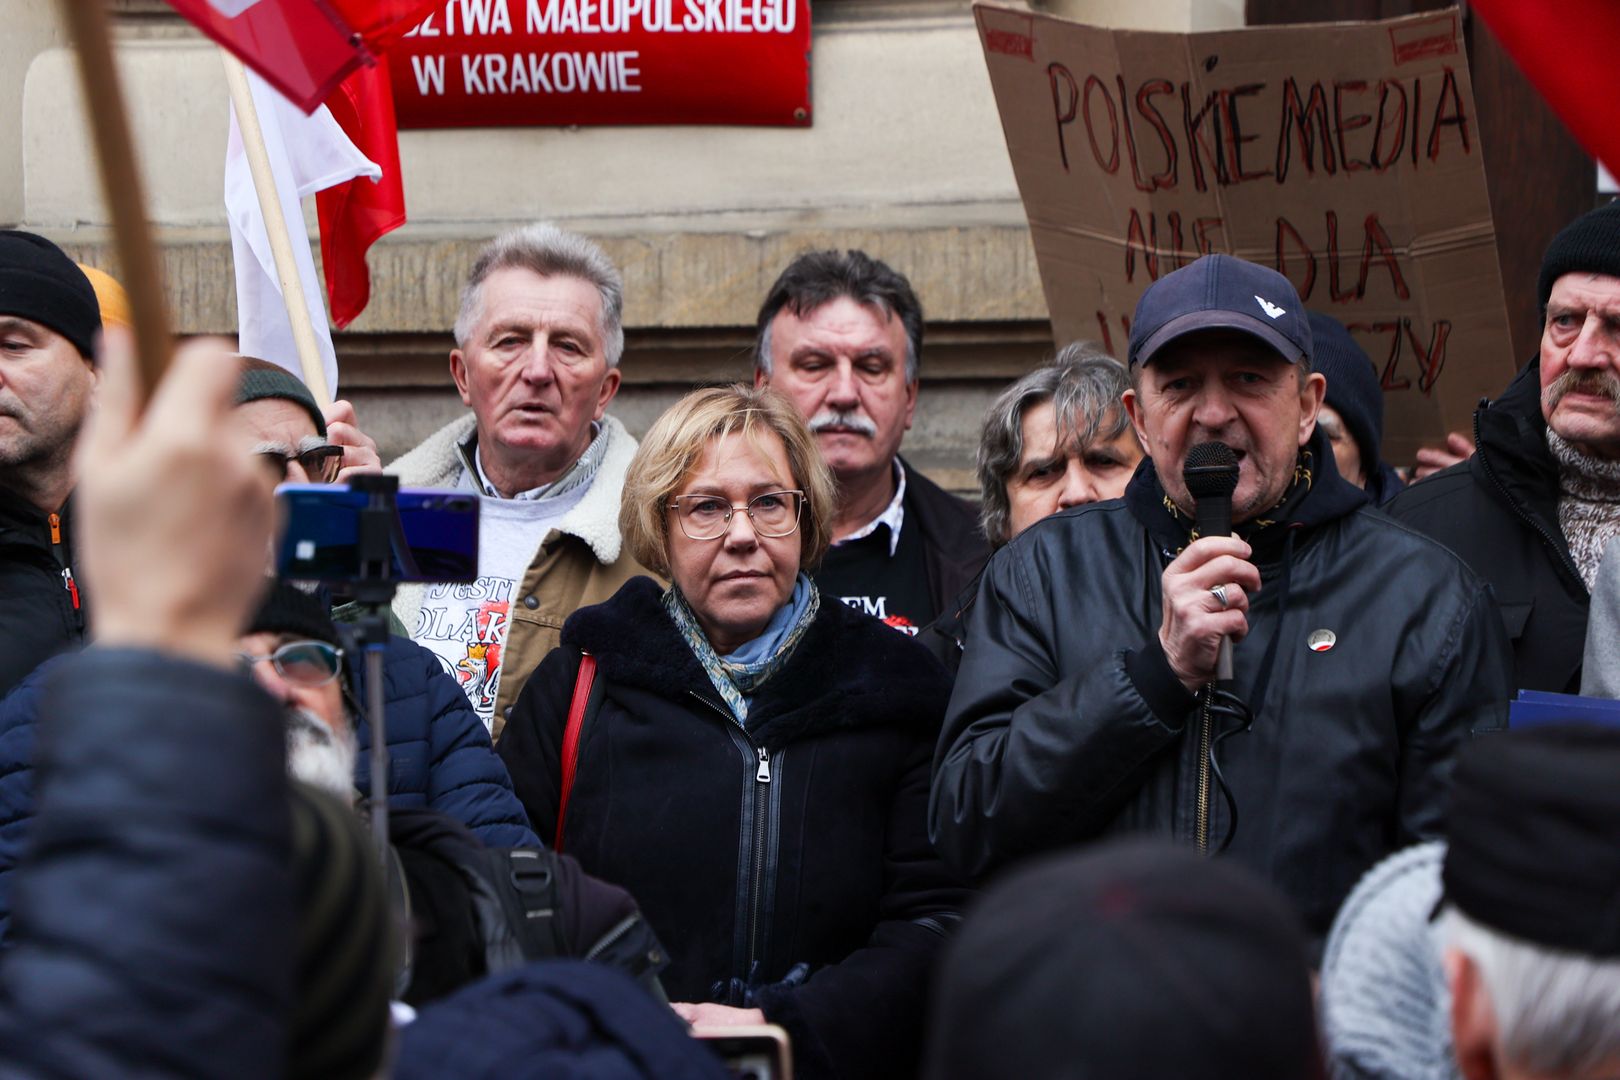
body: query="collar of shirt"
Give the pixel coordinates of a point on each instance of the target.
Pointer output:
(581, 470)
(894, 515)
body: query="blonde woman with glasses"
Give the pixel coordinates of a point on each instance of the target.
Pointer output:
(749, 758)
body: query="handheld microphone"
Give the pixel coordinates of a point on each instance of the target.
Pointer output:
(1211, 475)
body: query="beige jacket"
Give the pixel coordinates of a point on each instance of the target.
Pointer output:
(577, 563)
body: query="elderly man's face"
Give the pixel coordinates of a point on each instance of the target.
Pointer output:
(1053, 476)
(1225, 386)
(1580, 363)
(534, 371)
(321, 746)
(44, 393)
(843, 366)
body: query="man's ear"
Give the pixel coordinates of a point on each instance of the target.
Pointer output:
(610, 386)
(1132, 404)
(1312, 392)
(1473, 1021)
(458, 372)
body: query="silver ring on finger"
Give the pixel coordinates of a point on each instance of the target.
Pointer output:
(1219, 592)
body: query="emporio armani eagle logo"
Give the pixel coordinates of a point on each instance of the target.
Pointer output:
(1269, 308)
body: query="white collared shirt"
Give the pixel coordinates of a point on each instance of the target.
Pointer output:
(894, 515)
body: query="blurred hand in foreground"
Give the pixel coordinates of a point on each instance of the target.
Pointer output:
(174, 521)
(1459, 447)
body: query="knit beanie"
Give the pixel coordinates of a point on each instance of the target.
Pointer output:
(1126, 960)
(262, 379)
(38, 282)
(340, 1023)
(1352, 385)
(110, 297)
(1590, 244)
(287, 609)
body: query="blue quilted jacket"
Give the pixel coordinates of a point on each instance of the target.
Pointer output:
(440, 758)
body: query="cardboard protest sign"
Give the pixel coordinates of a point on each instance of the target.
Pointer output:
(512, 63)
(1344, 155)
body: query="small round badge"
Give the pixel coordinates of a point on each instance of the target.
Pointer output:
(1322, 640)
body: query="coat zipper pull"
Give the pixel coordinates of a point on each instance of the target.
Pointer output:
(56, 529)
(764, 773)
(71, 586)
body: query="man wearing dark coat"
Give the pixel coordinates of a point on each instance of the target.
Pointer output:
(840, 333)
(1532, 510)
(1090, 699)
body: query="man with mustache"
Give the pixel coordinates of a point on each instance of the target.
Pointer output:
(1535, 506)
(538, 341)
(840, 333)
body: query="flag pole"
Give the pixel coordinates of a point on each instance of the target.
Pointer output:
(275, 226)
(121, 187)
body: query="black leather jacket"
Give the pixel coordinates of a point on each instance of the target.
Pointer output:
(1067, 724)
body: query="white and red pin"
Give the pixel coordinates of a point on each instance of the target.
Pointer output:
(1322, 640)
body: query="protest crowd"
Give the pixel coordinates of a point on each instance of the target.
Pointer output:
(1189, 747)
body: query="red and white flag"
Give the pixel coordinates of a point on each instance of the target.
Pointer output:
(355, 214)
(304, 48)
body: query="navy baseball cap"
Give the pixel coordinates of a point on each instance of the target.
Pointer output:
(1221, 292)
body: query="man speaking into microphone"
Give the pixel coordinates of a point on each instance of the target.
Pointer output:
(1362, 654)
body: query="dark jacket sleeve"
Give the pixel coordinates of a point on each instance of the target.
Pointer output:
(1032, 755)
(531, 742)
(461, 777)
(1464, 691)
(864, 1016)
(19, 726)
(154, 915)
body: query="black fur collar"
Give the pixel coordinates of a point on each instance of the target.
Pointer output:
(849, 671)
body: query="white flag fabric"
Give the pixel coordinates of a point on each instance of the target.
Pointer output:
(307, 154)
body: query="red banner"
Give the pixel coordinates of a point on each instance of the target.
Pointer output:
(524, 63)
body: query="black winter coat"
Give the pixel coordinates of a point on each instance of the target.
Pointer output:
(1499, 511)
(797, 847)
(41, 614)
(1067, 723)
(954, 550)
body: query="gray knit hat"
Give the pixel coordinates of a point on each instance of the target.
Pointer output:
(262, 379)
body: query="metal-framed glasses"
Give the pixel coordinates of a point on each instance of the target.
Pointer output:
(302, 663)
(707, 517)
(321, 463)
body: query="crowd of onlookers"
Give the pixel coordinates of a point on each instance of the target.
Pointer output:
(1182, 753)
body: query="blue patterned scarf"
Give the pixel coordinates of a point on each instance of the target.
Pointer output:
(744, 671)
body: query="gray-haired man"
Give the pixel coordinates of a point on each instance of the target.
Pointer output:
(538, 341)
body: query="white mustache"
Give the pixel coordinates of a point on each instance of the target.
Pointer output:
(834, 418)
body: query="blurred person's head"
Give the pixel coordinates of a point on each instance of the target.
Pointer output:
(1125, 960)
(1056, 438)
(1580, 340)
(49, 319)
(1220, 352)
(1530, 924)
(728, 497)
(111, 298)
(276, 417)
(1352, 416)
(840, 335)
(538, 341)
(295, 654)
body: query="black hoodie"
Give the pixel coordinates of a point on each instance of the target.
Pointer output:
(42, 613)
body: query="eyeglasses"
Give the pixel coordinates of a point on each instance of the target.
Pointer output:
(321, 463)
(705, 517)
(302, 663)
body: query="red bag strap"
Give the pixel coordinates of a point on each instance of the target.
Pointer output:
(570, 746)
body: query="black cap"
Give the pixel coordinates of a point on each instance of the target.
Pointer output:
(1133, 960)
(1590, 244)
(1352, 385)
(38, 282)
(287, 609)
(1533, 837)
(1220, 292)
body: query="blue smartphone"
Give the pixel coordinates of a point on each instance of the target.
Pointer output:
(435, 534)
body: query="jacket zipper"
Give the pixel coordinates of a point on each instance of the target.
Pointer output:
(68, 583)
(756, 875)
(1203, 772)
(1560, 551)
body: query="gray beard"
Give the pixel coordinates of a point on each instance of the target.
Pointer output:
(318, 756)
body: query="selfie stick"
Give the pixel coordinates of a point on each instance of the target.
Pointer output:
(374, 590)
